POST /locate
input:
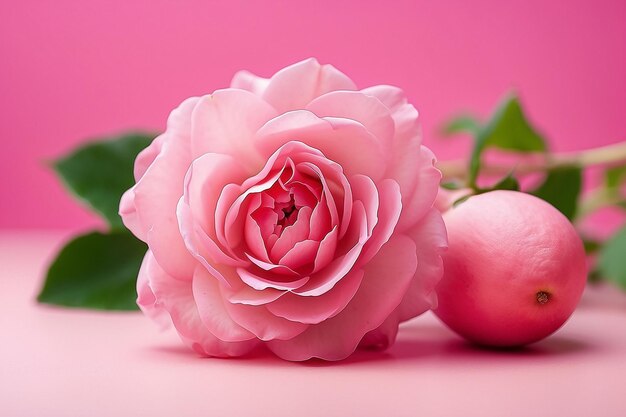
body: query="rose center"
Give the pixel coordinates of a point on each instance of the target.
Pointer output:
(287, 212)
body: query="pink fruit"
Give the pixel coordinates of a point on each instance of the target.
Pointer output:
(514, 271)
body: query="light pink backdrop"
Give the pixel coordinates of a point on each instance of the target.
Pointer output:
(71, 70)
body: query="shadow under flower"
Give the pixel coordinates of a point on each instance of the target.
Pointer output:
(426, 342)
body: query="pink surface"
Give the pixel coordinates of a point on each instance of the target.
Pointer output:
(73, 69)
(58, 362)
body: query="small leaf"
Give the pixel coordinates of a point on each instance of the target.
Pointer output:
(614, 177)
(612, 259)
(507, 183)
(507, 129)
(451, 185)
(561, 188)
(97, 271)
(594, 276)
(460, 124)
(591, 245)
(99, 173)
(461, 200)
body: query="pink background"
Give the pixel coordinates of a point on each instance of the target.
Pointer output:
(71, 70)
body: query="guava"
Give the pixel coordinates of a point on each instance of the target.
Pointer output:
(514, 271)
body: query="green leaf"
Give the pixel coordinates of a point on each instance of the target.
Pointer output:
(451, 185)
(460, 124)
(99, 173)
(561, 188)
(591, 245)
(97, 271)
(507, 183)
(507, 129)
(594, 276)
(614, 177)
(461, 200)
(612, 259)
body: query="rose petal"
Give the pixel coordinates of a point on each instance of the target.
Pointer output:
(297, 232)
(255, 236)
(265, 325)
(225, 122)
(274, 268)
(146, 299)
(157, 193)
(250, 296)
(327, 249)
(338, 337)
(129, 215)
(388, 215)
(313, 310)
(196, 211)
(417, 203)
(326, 278)
(177, 130)
(246, 80)
(336, 138)
(259, 282)
(430, 238)
(364, 190)
(177, 298)
(301, 254)
(296, 85)
(320, 220)
(408, 162)
(335, 185)
(384, 335)
(404, 114)
(233, 201)
(365, 109)
(228, 221)
(200, 246)
(146, 157)
(211, 309)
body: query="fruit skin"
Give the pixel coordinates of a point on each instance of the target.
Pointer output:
(507, 252)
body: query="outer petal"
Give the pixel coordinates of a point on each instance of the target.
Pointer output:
(314, 310)
(175, 296)
(389, 273)
(147, 156)
(418, 201)
(367, 110)
(403, 113)
(204, 182)
(384, 335)
(337, 139)
(129, 215)
(388, 215)
(146, 300)
(431, 240)
(412, 164)
(149, 208)
(264, 325)
(156, 199)
(176, 128)
(225, 123)
(293, 87)
(211, 308)
(246, 80)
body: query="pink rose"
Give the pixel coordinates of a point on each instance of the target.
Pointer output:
(294, 211)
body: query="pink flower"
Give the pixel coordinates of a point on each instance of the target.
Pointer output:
(294, 211)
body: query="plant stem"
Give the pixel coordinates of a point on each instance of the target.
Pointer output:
(597, 199)
(610, 155)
